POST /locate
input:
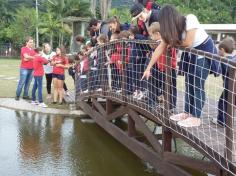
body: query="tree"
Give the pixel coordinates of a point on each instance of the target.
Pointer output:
(105, 6)
(65, 8)
(49, 26)
(23, 25)
(122, 14)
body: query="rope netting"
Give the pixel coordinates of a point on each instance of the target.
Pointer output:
(182, 80)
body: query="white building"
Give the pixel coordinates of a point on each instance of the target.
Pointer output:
(220, 31)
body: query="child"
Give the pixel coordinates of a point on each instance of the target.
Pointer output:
(226, 48)
(83, 70)
(71, 69)
(99, 76)
(158, 72)
(59, 63)
(138, 58)
(128, 66)
(38, 63)
(115, 63)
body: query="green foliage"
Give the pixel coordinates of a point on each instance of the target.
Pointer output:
(207, 11)
(23, 25)
(18, 19)
(123, 14)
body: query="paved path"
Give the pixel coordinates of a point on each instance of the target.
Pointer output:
(26, 106)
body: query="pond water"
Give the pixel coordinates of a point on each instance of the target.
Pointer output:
(35, 144)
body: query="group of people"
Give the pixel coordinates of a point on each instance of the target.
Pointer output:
(37, 63)
(169, 29)
(145, 65)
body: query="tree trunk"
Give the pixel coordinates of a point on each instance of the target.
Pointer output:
(93, 7)
(105, 6)
(51, 39)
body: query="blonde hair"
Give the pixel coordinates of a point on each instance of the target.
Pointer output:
(154, 28)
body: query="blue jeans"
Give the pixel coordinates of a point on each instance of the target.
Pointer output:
(26, 76)
(195, 87)
(38, 84)
(83, 84)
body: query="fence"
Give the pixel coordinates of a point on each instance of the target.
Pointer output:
(6, 50)
(177, 84)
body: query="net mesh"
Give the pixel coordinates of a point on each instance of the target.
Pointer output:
(182, 80)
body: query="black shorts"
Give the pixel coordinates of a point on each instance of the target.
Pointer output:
(58, 76)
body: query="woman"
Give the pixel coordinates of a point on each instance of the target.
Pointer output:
(178, 30)
(59, 63)
(116, 27)
(48, 54)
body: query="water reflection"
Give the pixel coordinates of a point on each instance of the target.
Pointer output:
(54, 145)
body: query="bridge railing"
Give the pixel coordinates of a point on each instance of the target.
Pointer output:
(177, 84)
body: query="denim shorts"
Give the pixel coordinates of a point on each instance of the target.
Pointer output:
(58, 76)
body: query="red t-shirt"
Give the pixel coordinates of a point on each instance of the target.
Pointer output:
(161, 62)
(27, 64)
(60, 60)
(38, 63)
(86, 64)
(116, 59)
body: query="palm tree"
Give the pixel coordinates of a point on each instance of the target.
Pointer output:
(49, 26)
(65, 8)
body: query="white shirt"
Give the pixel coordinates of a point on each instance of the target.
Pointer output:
(193, 23)
(48, 68)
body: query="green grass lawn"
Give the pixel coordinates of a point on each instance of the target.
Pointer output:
(10, 68)
(213, 86)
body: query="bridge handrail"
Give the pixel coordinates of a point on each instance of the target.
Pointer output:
(168, 84)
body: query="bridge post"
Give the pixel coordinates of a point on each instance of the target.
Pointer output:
(166, 134)
(109, 107)
(230, 115)
(123, 70)
(131, 127)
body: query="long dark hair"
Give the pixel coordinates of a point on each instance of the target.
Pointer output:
(172, 24)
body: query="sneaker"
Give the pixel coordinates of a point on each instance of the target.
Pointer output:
(60, 103)
(190, 122)
(67, 93)
(27, 98)
(43, 105)
(99, 89)
(179, 117)
(118, 91)
(34, 102)
(140, 96)
(17, 98)
(135, 94)
(86, 91)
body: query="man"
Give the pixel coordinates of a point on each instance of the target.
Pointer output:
(98, 27)
(138, 11)
(26, 69)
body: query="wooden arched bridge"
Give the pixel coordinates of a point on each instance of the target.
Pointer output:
(111, 88)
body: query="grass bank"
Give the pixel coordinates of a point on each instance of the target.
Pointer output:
(9, 76)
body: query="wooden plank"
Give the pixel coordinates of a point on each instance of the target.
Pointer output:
(204, 166)
(145, 130)
(99, 107)
(131, 127)
(118, 113)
